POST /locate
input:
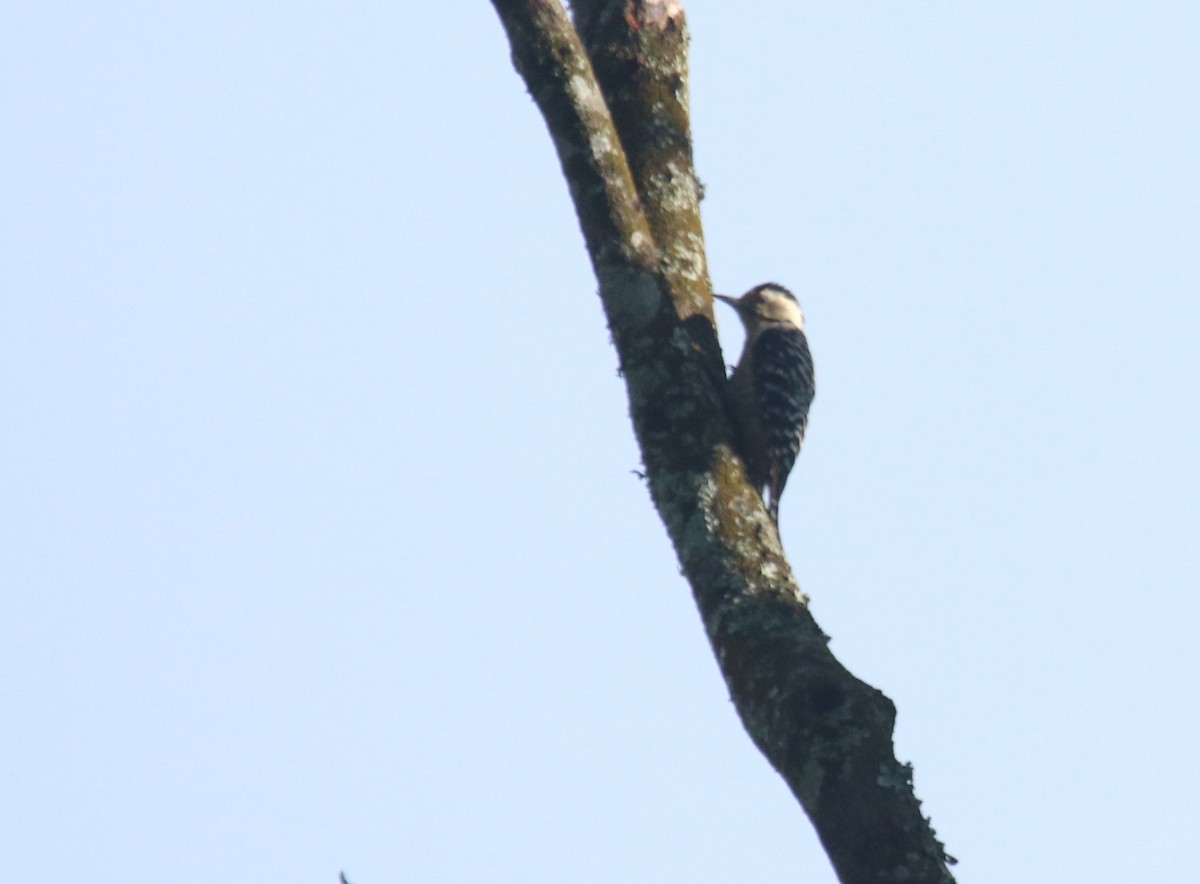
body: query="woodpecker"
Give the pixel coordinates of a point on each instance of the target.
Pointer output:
(771, 387)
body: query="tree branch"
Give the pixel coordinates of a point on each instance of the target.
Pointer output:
(618, 116)
(639, 53)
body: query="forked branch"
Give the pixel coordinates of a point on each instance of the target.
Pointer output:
(612, 88)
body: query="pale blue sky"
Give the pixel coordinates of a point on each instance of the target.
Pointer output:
(322, 544)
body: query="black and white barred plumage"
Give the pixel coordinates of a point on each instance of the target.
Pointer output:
(771, 388)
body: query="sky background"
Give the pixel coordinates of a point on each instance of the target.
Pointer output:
(322, 544)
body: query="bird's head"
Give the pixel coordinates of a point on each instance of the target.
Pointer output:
(766, 304)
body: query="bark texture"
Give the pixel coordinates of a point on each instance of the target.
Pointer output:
(612, 87)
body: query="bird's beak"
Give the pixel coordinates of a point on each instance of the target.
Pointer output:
(732, 302)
